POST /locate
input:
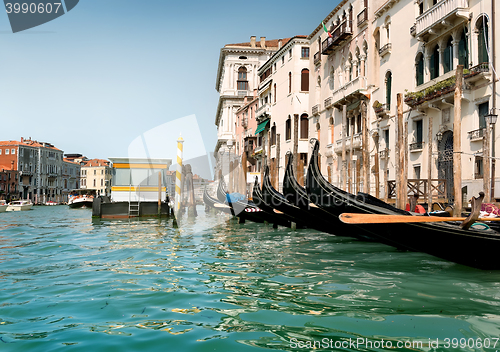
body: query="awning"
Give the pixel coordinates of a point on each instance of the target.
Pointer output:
(261, 127)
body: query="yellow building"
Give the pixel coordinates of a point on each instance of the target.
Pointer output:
(96, 174)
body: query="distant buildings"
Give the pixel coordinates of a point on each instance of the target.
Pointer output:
(96, 174)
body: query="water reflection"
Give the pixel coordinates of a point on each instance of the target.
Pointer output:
(226, 286)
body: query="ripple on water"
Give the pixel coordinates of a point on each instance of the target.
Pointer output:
(67, 280)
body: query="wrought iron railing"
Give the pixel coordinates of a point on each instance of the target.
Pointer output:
(385, 49)
(317, 58)
(328, 102)
(476, 134)
(421, 187)
(315, 109)
(416, 146)
(362, 17)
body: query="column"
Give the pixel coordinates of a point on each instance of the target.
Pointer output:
(362, 63)
(427, 67)
(441, 56)
(455, 53)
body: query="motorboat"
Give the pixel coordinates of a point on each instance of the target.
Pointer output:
(3, 206)
(81, 198)
(20, 205)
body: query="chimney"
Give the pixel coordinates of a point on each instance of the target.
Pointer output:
(255, 92)
(12, 164)
(263, 42)
(22, 140)
(252, 41)
(279, 44)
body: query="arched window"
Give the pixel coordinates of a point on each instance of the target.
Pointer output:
(388, 89)
(304, 80)
(448, 56)
(242, 79)
(482, 40)
(463, 50)
(289, 82)
(419, 66)
(273, 135)
(318, 132)
(434, 69)
(304, 126)
(275, 92)
(330, 137)
(288, 129)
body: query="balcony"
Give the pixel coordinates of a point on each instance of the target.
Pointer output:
(339, 35)
(386, 49)
(478, 72)
(416, 147)
(356, 143)
(476, 135)
(263, 111)
(317, 58)
(363, 17)
(349, 92)
(384, 153)
(382, 110)
(328, 103)
(315, 110)
(440, 16)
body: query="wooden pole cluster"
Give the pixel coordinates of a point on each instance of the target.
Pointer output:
(457, 142)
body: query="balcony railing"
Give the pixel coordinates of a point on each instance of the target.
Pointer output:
(476, 134)
(382, 110)
(421, 187)
(357, 84)
(478, 72)
(439, 13)
(328, 102)
(315, 110)
(339, 35)
(363, 17)
(417, 146)
(264, 109)
(317, 58)
(357, 142)
(386, 49)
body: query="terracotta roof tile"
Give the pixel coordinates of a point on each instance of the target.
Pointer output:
(273, 43)
(95, 162)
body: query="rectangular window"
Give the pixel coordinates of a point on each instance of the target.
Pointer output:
(0, 151)
(305, 52)
(283, 60)
(6, 151)
(483, 111)
(290, 53)
(386, 138)
(419, 131)
(478, 165)
(242, 85)
(13, 151)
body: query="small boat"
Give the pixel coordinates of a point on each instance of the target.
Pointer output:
(20, 205)
(3, 206)
(214, 203)
(81, 198)
(473, 247)
(50, 202)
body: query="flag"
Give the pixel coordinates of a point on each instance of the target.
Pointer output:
(326, 30)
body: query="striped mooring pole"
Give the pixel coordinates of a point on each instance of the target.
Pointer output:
(178, 176)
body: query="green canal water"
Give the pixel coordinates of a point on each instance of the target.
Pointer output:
(68, 283)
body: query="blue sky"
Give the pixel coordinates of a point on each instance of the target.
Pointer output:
(93, 80)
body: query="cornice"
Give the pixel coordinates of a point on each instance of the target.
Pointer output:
(283, 49)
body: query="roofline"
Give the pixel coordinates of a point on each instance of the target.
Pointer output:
(285, 47)
(327, 18)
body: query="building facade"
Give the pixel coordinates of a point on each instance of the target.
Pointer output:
(237, 78)
(96, 174)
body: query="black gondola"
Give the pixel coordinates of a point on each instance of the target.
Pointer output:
(472, 247)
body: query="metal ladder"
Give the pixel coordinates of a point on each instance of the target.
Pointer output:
(133, 207)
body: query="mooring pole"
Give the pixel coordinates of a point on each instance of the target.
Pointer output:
(178, 183)
(401, 185)
(159, 194)
(457, 142)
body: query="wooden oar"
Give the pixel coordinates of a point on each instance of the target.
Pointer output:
(354, 218)
(220, 205)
